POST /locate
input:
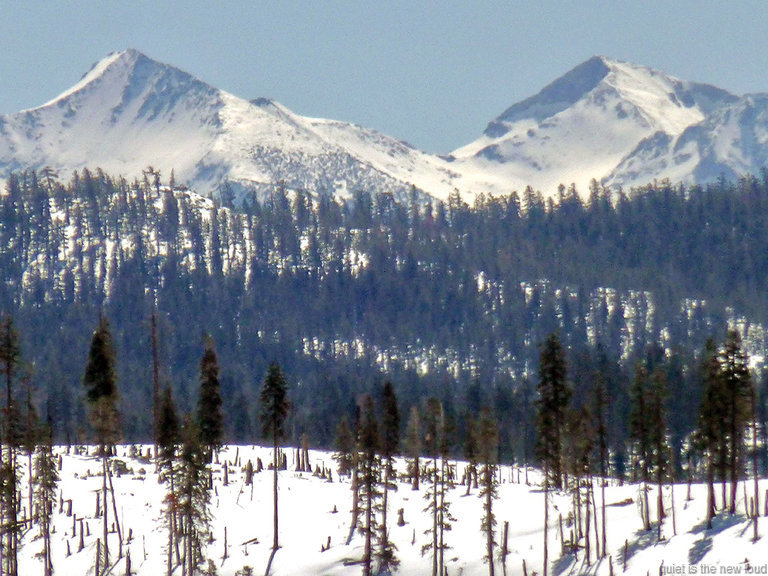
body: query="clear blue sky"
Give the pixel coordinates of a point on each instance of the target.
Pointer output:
(431, 73)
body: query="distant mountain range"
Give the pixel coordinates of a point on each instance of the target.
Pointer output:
(618, 123)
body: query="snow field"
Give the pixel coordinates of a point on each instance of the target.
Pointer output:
(313, 509)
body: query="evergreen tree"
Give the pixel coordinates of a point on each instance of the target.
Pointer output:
(30, 437)
(390, 442)
(46, 479)
(470, 450)
(711, 415)
(345, 446)
(100, 382)
(601, 433)
(209, 415)
(11, 528)
(488, 445)
(737, 387)
(168, 438)
(369, 463)
(193, 496)
(554, 397)
(658, 437)
(413, 445)
(582, 444)
(639, 429)
(436, 448)
(274, 410)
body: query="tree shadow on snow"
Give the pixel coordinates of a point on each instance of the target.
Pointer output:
(719, 523)
(702, 546)
(643, 539)
(699, 549)
(572, 563)
(563, 564)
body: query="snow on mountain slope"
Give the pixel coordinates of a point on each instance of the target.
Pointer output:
(126, 112)
(731, 141)
(129, 112)
(587, 122)
(619, 123)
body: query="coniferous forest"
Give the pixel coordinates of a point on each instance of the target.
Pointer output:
(443, 299)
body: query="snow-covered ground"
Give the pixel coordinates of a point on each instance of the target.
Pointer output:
(314, 512)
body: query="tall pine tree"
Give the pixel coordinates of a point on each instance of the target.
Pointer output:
(552, 404)
(488, 447)
(274, 411)
(737, 387)
(711, 415)
(209, 415)
(100, 382)
(11, 529)
(369, 463)
(390, 442)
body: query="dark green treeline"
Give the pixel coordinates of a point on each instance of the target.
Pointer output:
(445, 300)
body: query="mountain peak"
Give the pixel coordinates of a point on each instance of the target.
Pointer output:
(555, 97)
(130, 71)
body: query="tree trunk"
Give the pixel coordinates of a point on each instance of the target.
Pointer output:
(733, 455)
(546, 515)
(603, 480)
(114, 513)
(170, 542)
(754, 455)
(275, 544)
(384, 507)
(368, 550)
(435, 551)
(587, 526)
(104, 501)
(710, 492)
(355, 496)
(489, 503)
(674, 516)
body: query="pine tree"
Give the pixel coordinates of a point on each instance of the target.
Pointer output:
(193, 495)
(274, 411)
(660, 450)
(390, 442)
(470, 450)
(11, 529)
(209, 415)
(488, 445)
(639, 431)
(413, 445)
(30, 436)
(46, 479)
(601, 403)
(737, 387)
(168, 437)
(711, 414)
(554, 397)
(369, 462)
(345, 446)
(100, 382)
(582, 444)
(436, 448)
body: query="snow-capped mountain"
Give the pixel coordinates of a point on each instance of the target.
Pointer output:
(615, 122)
(606, 120)
(129, 112)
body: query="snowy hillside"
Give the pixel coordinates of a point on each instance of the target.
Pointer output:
(315, 512)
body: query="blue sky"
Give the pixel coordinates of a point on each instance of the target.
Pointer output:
(431, 73)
